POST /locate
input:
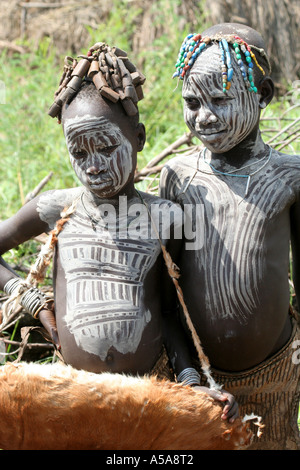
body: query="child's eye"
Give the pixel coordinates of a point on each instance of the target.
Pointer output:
(79, 153)
(107, 150)
(192, 103)
(220, 100)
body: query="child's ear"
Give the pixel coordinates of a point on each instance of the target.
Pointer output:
(266, 92)
(141, 136)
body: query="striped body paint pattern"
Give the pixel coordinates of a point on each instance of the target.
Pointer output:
(234, 255)
(104, 285)
(105, 265)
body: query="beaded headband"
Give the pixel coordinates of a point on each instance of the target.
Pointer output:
(194, 44)
(113, 75)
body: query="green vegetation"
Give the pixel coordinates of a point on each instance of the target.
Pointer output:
(32, 144)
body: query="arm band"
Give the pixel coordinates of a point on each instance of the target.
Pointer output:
(189, 376)
(32, 300)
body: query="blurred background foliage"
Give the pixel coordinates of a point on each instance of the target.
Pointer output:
(34, 41)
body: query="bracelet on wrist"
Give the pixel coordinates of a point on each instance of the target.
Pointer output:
(31, 298)
(189, 376)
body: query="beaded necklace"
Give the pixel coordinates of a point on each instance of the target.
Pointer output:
(194, 44)
(233, 173)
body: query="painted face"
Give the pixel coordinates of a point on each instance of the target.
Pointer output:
(220, 121)
(100, 154)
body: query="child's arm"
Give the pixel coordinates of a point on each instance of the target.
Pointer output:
(24, 225)
(176, 342)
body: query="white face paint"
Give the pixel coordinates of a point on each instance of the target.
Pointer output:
(220, 121)
(100, 154)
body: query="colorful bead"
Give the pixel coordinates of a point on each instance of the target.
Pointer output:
(194, 44)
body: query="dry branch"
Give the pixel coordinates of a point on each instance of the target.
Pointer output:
(11, 46)
(38, 188)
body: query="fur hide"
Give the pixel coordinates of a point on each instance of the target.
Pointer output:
(57, 407)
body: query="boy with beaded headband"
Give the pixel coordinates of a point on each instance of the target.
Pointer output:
(236, 285)
(108, 279)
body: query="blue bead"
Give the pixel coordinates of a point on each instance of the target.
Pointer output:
(230, 74)
(202, 46)
(228, 59)
(225, 45)
(247, 53)
(250, 65)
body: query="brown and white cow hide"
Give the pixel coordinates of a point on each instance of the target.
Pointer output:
(57, 407)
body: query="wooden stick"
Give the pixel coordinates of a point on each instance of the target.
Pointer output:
(38, 188)
(285, 129)
(28, 345)
(185, 139)
(13, 47)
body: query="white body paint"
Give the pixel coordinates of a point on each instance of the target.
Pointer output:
(233, 264)
(105, 270)
(104, 286)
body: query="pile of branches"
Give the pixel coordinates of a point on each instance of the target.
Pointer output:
(31, 341)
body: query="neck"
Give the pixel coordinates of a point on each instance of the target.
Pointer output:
(249, 149)
(127, 191)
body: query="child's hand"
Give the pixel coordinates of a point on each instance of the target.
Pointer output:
(231, 408)
(47, 318)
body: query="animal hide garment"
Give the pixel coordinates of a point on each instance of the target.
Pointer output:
(51, 407)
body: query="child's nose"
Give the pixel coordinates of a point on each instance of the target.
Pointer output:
(205, 116)
(94, 170)
(95, 165)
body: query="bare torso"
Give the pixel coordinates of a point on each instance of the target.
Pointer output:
(107, 291)
(236, 283)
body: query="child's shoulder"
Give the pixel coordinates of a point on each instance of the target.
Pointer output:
(285, 160)
(186, 162)
(162, 209)
(167, 217)
(158, 202)
(51, 203)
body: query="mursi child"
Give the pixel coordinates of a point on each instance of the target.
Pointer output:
(236, 282)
